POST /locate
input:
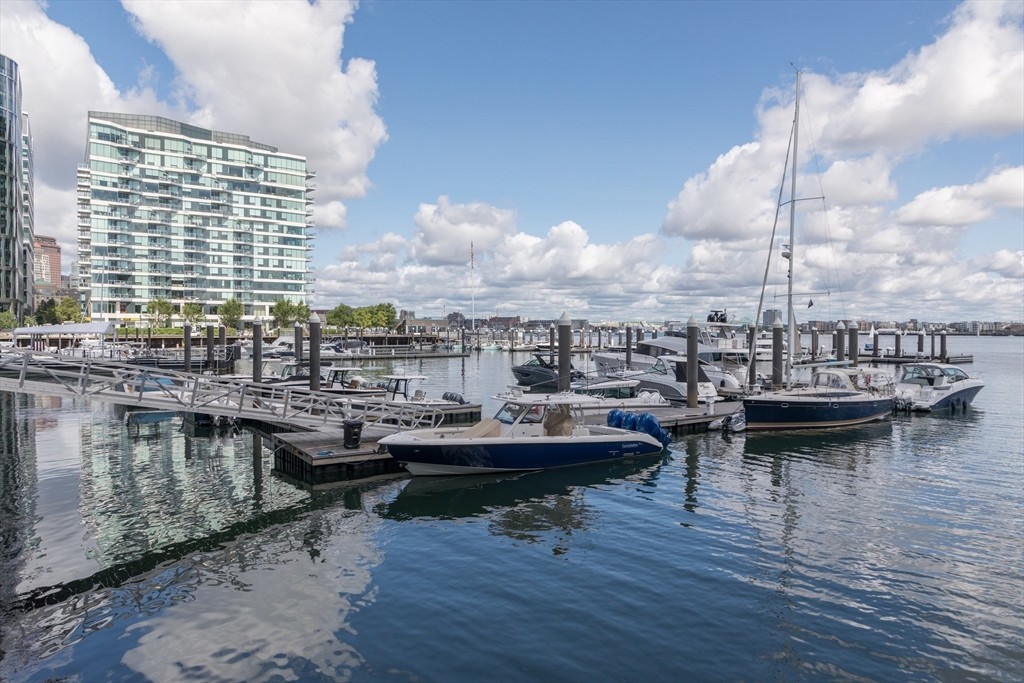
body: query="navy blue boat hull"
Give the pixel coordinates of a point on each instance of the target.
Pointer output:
(765, 413)
(958, 399)
(509, 457)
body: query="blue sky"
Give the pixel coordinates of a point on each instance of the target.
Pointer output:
(532, 115)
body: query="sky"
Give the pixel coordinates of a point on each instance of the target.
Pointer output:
(615, 160)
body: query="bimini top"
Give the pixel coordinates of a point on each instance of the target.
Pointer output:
(74, 328)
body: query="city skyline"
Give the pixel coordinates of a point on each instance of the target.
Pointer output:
(602, 158)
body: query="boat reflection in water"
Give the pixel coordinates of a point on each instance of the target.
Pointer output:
(522, 506)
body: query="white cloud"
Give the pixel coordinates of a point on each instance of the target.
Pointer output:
(274, 71)
(966, 204)
(446, 231)
(61, 82)
(968, 82)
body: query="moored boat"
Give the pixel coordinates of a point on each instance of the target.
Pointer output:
(935, 386)
(525, 434)
(833, 399)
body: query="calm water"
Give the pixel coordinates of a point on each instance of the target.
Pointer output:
(893, 551)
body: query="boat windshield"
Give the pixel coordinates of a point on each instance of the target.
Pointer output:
(510, 412)
(955, 374)
(659, 368)
(831, 380)
(921, 372)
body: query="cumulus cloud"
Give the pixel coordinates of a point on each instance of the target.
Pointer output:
(966, 204)
(514, 271)
(968, 82)
(274, 71)
(61, 82)
(270, 70)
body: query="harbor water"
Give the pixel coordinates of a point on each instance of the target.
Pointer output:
(146, 551)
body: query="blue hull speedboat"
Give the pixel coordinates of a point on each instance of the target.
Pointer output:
(935, 386)
(526, 434)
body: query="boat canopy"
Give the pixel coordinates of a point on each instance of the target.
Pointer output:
(75, 328)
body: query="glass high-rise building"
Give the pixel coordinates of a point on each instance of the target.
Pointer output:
(171, 210)
(16, 236)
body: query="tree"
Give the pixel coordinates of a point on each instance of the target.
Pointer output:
(231, 312)
(159, 311)
(302, 313)
(341, 316)
(363, 317)
(46, 314)
(30, 321)
(69, 310)
(283, 313)
(7, 320)
(193, 313)
(384, 315)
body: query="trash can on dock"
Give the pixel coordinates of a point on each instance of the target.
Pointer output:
(353, 433)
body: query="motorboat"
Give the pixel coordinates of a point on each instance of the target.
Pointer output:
(726, 365)
(667, 376)
(836, 397)
(935, 386)
(540, 373)
(526, 434)
(347, 382)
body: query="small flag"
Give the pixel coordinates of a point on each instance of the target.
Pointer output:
(810, 302)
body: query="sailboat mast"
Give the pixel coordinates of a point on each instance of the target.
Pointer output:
(792, 235)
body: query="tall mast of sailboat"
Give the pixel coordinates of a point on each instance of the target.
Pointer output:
(792, 236)
(472, 288)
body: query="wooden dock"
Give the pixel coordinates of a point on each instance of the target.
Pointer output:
(900, 360)
(321, 456)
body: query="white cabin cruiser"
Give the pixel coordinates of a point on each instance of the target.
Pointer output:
(935, 386)
(601, 397)
(667, 376)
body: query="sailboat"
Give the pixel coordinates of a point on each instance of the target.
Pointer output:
(836, 397)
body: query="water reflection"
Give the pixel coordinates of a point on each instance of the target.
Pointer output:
(525, 507)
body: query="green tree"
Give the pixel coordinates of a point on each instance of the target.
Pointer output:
(7, 320)
(341, 316)
(159, 311)
(193, 313)
(231, 312)
(68, 310)
(384, 315)
(46, 314)
(30, 321)
(302, 313)
(363, 317)
(283, 313)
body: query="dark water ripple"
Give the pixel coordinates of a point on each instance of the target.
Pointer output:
(887, 552)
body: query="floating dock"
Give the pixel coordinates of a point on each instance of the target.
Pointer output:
(680, 420)
(321, 456)
(900, 360)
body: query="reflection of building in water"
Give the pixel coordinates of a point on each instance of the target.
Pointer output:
(149, 486)
(18, 478)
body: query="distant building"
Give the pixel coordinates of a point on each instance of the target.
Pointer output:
(403, 314)
(769, 317)
(47, 260)
(171, 210)
(17, 277)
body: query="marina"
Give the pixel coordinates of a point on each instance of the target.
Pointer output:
(768, 532)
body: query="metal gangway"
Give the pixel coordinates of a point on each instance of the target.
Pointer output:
(24, 370)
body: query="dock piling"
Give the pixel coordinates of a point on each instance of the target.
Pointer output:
(840, 341)
(209, 347)
(298, 345)
(920, 343)
(854, 342)
(692, 333)
(629, 347)
(814, 344)
(314, 352)
(564, 352)
(899, 344)
(188, 346)
(777, 353)
(942, 347)
(257, 350)
(874, 343)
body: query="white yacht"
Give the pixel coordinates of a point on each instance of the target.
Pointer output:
(935, 386)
